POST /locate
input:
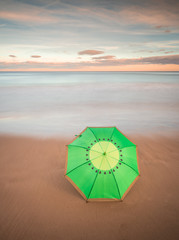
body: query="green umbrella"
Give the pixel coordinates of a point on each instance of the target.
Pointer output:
(102, 164)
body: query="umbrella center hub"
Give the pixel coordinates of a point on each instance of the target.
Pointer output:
(104, 155)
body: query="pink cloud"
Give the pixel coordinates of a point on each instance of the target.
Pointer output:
(169, 52)
(35, 56)
(109, 57)
(99, 63)
(170, 59)
(28, 16)
(159, 26)
(12, 56)
(151, 16)
(90, 52)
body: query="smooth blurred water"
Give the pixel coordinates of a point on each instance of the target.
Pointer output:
(56, 103)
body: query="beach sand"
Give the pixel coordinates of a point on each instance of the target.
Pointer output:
(37, 202)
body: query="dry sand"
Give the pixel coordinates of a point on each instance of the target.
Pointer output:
(37, 202)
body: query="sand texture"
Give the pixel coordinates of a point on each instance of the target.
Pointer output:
(37, 202)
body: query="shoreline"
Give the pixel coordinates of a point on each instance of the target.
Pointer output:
(69, 136)
(37, 202)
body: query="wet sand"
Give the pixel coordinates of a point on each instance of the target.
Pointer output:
(37, 202)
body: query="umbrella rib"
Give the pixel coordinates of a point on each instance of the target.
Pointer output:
(113, 151)
(95, 179)
(84, 148)
(96, 139)
(110, 139)
(122, 148)
(81, 165)
(76, 167)
(114, 179)
(125, 164)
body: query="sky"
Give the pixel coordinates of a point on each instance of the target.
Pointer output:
(89, 35)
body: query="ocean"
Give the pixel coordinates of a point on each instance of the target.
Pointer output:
(63, 103)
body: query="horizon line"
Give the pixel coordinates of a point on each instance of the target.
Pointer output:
(87, 71)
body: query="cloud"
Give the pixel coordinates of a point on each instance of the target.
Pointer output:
(109, 57)
(169, 52)
(92, 13)
(12, 56)
(90, 52)
(163, 28)
(158, 26)
(35, 56)
(27, 17)
(150, 15)
(155, 60)
(170, 59)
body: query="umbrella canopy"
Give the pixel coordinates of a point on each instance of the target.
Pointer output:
(102, 164)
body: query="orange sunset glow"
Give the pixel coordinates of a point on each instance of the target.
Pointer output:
(89, 36)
